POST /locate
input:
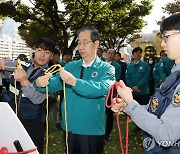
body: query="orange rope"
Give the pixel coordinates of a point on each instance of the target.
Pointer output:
(50, 71)
(47, 125)
(18, 67)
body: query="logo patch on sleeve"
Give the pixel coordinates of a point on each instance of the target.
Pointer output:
(154, 104)
(177, 99)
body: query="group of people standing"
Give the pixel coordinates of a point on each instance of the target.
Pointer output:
(87, 82)
(142, 77)
(159, 117)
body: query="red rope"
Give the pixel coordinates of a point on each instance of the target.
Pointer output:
(119, 132)
(127, 133)
(110, 93)
(4, 150)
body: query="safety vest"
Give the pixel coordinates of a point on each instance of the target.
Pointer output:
(161, 99)
(27, 109)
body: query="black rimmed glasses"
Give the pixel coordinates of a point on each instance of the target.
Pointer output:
(166, 36)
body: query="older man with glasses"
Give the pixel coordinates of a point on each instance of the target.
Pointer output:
(87, 83)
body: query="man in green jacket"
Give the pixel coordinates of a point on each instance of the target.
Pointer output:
(87, 83)
(137, 76)
(110, 59)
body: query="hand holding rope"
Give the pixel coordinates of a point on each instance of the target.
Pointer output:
(110, 93)
(49, 72)
(18, 67)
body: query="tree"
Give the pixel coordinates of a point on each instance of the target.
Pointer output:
(116, 20)
(171, 8)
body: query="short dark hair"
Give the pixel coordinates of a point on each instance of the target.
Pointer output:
(56, 51)
(45, 44)
(171, 23)
(100, 49)
(94, 33)
(67, 52)
(137, 49)
(118, 53)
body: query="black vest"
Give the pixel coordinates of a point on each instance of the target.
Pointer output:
(27, 109)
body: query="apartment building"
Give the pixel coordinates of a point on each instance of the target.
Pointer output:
(11, 45)
(11, 49)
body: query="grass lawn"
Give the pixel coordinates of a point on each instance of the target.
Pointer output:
(56, 141)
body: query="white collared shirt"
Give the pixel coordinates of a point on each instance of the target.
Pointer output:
(109, 62)
(87, 65)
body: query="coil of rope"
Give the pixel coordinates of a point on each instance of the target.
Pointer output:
(110, 93)
(51, 70)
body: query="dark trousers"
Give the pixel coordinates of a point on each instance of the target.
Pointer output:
(109, 121)
(85, 144)
(36, 131)
(142, 99)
